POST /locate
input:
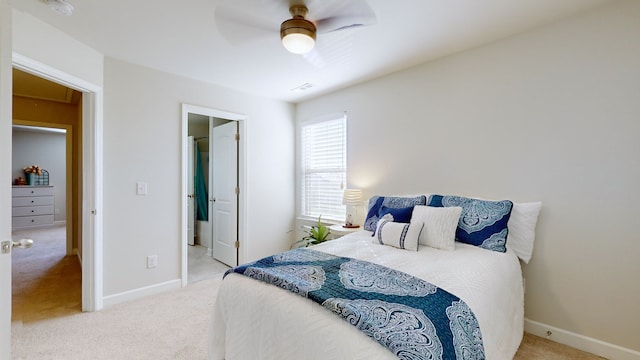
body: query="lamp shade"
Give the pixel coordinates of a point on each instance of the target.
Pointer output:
(351, 197)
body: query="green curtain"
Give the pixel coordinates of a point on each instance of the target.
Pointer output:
(201, 189)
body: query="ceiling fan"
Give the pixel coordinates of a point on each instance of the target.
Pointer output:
(246, 20)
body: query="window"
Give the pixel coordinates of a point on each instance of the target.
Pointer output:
(324, 168)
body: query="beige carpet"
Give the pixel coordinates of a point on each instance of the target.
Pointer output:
(172, 325)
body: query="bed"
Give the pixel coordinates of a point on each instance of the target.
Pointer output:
(256, 320)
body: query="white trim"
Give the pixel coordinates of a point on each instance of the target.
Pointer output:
(242, 181)
(140, 293)
(92, 107)
(322, 118)
(184, 242)
(52, 74)
(581, 342)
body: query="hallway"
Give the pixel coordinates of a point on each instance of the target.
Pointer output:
(45, 282)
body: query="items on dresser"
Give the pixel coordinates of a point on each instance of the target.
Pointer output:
(32, 206)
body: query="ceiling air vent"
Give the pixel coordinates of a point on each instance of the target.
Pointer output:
(302, 87)
(60, 6)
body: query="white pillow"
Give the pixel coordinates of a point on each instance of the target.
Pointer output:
(440, 225)
(522, 229)
(399, 235)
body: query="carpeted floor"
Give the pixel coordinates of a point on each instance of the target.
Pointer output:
(174, 325)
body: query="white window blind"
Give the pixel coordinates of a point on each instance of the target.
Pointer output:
(324, 168)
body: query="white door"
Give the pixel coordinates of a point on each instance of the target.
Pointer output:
(223, 194)
(191, 200)
(5, 177)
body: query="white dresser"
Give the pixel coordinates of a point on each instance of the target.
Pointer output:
(32, 206)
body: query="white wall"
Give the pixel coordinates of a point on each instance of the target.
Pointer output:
(44, 43)
(142, 142)
(552, 115)
(47, 150)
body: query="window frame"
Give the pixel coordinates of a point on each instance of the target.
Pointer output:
(340, 215)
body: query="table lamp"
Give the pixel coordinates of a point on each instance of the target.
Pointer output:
(351, 197)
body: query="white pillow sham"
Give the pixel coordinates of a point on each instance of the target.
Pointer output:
(400, 235)
(440, 225)
(522, 229)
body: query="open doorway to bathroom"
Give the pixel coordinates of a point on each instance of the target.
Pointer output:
(201, 263)
(212, 184)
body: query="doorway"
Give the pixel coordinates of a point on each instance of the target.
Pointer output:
(213, 178)
(44, 199)
(88, 218)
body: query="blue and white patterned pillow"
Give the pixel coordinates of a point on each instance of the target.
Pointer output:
(400, 235)
(482, 223)
(402, 215)
(376, 202)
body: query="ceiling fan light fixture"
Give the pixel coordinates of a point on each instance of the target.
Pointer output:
(298, 43)
(298, 34)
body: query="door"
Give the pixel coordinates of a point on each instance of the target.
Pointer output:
(191, 200)
(224, 194)
(5, 177)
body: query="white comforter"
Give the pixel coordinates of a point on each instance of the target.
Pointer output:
(255, 320)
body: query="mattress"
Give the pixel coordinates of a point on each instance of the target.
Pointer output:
(255, 320)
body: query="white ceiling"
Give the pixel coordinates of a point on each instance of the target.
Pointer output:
(181, 37)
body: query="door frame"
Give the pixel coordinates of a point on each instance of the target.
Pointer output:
(92, 163)
(242, 183)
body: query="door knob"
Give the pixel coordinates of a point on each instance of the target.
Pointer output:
(23, 243)
(7, 245)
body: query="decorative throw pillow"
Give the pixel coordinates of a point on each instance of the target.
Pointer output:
(400, 235)
(440, 224)
(399, 215)
(482, 223)
(522, 228)
(376, 202)
(402, 215)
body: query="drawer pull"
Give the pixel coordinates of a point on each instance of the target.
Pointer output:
(32, 211)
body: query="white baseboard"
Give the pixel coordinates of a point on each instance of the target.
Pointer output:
(77, 253)
(210, 252)
(114, 299)
(581, 342)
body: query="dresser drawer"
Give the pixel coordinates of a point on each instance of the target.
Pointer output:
(32, 201)
(26, 221)
(21, 191)
(32, 210)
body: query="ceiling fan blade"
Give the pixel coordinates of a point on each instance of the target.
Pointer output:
(343, 15)
(239, 22)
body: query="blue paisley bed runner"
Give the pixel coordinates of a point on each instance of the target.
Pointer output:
(411, 317)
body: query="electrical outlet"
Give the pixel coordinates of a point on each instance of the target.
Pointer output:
(152, 261)
(141, 188)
